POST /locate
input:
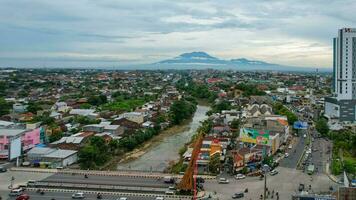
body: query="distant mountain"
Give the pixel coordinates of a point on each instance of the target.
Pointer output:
(193, 58)
(202, 60)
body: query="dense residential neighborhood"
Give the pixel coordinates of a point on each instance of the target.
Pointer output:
(100, 120)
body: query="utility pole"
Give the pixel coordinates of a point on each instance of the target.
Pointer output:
(265, 168)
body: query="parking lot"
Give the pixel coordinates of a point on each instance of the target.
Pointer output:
(286, 182)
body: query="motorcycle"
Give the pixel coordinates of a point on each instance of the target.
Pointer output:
(98, 196)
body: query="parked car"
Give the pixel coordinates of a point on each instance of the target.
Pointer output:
(223, 181)
(273, 172)
(23, 197)
(286, 155)
(240, 176)
(122, 198)
(290, 147)
(238, 195)
(16, 192)
(2, 169)
(78, 195)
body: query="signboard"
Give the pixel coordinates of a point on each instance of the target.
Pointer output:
(15, 148)
(300, 125)
(254, 136)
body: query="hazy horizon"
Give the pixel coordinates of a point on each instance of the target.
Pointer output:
(112, 33)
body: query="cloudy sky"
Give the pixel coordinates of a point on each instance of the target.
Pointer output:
(122, 32)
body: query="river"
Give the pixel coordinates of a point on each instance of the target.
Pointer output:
(157, 157)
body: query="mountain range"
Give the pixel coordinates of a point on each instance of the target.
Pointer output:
(202, 60)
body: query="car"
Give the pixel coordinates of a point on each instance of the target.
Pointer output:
(286, 155)
(122, 198)
(16, 192)
(240, 176)
(2, 169)
(159, 198)
(223, 181)
(169, 192)
(305, 135)
(23, 197)
(78, 195)
(290, 147)
(238, 195)
(273, 172)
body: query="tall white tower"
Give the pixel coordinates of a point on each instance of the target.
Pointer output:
(345, 64)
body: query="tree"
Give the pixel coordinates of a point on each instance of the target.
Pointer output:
(5, 107)
(33, 107)
(235, 124)
(87, 156)
(322, 126)
(214, 164)
(181, 110)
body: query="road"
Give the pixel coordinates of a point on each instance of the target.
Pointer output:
(286, 183)
(294, 154)
(108, 180)
(20, 178)
(64, 196)
(320, 154)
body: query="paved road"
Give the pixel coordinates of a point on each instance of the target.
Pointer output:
(64, 196)
(320, 155)
(286, 183)
(294, 154)
(108, 180)
(20, 178)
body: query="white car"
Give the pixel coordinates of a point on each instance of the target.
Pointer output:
(286, 155)
(122, 198)
(223, 181)
(78, 195)
(290, 147)
(240, 176)
(159, 198)
(305, 135)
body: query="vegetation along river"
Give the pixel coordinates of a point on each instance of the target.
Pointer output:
(158, 156)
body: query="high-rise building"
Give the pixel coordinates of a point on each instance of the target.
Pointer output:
(342, 105)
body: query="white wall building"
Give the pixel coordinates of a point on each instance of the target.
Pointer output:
(342, 105)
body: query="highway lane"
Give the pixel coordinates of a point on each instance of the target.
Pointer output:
(108, 180)
(66, 196)
(295, 153)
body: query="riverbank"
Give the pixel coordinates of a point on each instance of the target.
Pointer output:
(157, 153)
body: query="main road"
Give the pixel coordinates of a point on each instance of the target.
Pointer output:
(66, 195)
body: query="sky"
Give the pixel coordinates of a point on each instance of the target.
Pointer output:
(89, 33)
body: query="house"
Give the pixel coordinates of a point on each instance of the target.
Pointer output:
(61, 158)
(61, 107)
(104, 127)
(19, 108)
(73, 142)
(129, 126)
(83, 112)
(138, 117)
(29, 138)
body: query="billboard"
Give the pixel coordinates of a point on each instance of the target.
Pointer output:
(300, 125)
(15, 148)
(254, 136)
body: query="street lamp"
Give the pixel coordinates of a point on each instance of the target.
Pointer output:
(265, 169)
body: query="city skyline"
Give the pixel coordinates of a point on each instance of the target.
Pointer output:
(112, 33)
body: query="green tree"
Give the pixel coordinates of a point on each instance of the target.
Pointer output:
(214, 164)
(87, 156)
(181, 110)
(322, 126)
(5, 107)
(33, 107)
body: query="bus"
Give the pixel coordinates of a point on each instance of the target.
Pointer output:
(311, 169)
